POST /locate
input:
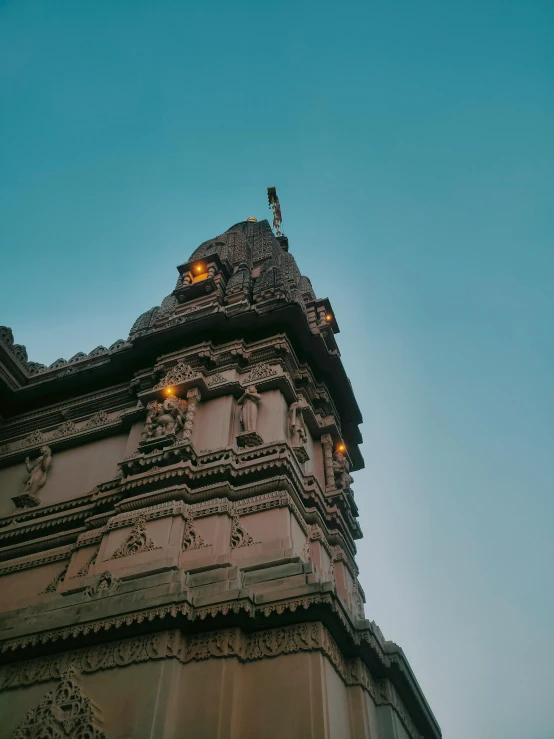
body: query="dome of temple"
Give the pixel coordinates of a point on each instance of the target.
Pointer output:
(252, 246)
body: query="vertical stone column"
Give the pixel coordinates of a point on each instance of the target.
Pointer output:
(327, 445)
(193, 398)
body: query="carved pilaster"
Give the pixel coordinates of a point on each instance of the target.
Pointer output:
(327, 445)
(193, 398)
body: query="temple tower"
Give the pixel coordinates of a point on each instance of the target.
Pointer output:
(178, 525)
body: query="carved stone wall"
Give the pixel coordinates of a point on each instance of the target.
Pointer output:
(187, 565)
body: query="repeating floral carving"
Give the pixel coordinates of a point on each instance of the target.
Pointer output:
(239, 536)
(191, 537)
(261, 371)
(216, 379)
(97, 419)
(138, 541)
(35, 437)
(66, 428)
(64, 713)
(104, 585)
(92, 659)
(179, 373)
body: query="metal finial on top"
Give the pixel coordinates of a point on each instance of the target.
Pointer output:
(276, 208)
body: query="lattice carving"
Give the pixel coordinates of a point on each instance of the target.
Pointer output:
(261, 371)
(98, 419)
(66, 712)
(138, 541)
(179, 373)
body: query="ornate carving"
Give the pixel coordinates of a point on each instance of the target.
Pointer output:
(35, 437)
(249, 409)
(191, 537)
(297, 427)
(64, 713)
(92, 659)
(249, 418)
(306, 552)
(193, 398)
(53, 586)
(138, 541)
(357, 601)
(341, 469)
(97, 419)
(239, 536)
(104, 585)
(179, 373)
(66, 428)
(4, 449)
(216, 379)
(164, 418)
(261, 371)
(327, 445)
(38, 472)
(85, 569)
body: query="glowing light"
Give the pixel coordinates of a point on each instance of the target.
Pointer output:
(341, 448)
(169, 391)
(198, 268)
(329, 317)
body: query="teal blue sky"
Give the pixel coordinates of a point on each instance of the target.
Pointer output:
(411, 146)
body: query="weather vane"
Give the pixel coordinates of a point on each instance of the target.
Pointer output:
(276, 208)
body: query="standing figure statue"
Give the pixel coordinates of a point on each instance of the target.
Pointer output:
(297, 426)
(341, 468)
(249, 410)
(38, 472)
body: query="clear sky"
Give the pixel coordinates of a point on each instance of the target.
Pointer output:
(412, 148)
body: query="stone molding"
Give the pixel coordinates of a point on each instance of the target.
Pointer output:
(223, 643)
(75, 430)
(35, 560)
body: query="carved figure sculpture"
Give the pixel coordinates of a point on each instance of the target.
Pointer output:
(153, 410)
(341, 469)
(38, 472)
(164, 418)
(249, 409)
(297, 426)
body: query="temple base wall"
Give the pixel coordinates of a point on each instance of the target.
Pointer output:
(298, 696)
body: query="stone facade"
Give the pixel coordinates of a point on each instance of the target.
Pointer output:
(178, 526)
